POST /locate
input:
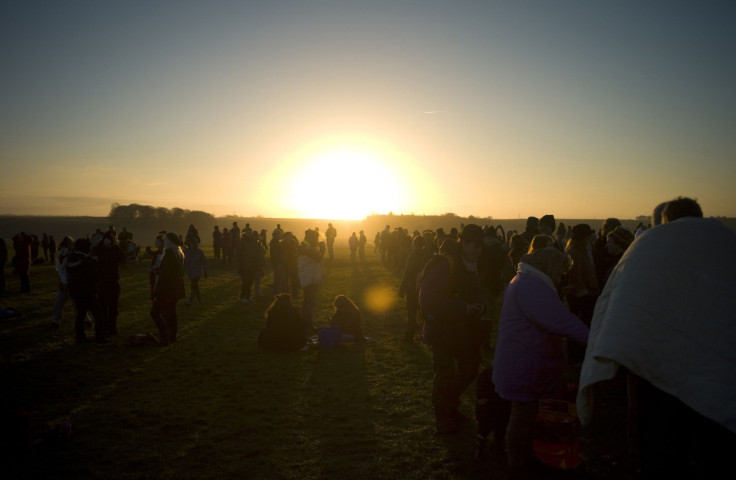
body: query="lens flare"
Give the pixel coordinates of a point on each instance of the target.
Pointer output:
(379, 299)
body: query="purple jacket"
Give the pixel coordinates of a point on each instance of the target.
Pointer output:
(529, 352)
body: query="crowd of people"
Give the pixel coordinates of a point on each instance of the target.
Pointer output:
(559, 296)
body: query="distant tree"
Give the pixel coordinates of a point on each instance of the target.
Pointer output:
(162, 213)
(198, 217)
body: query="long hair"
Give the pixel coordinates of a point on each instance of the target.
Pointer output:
(343, 303)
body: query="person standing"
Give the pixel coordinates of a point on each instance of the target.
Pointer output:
(81, 273)
(353, 244)
(277, 263)
(310, 275)
(227, 246)
(362, 240)
(22, 260)
(451, 302)
(52, 249)
(247, 259)
(234, 239)
(169, 289)
(666, 315)
(109, 257)
(3, 261)
(65, 248)
(195, 265)
(330, 233)
(216, 239)
(45, 246)
(259, 272)
(415, 262)
(529, 357)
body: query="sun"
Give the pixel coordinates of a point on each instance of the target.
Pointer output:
(343, 181)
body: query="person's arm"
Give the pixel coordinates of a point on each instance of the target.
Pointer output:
(545, 309)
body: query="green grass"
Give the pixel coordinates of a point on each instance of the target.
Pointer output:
(214, 405)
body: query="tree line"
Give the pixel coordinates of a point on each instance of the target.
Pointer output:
(136, 214)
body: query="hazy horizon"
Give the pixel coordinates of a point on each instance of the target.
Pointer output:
(339, 109)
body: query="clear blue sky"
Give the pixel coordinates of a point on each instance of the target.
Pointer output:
(336, 108)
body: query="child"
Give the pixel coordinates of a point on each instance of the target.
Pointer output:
(347, 317)
(284, 332)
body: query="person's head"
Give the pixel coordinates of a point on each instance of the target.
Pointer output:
(618, 240)
(681, 207)
(235, 224)
(66, 242)
(171, 240)
(541, 241)
(608, 225)
(344, 303)
(217, 228)
(311, 237)
(532, 222)
(582, 232)
(418, 242)
(549, 261)
(82, 245)
(471, 242)
(277, 234)
(547, 225)
(282, 301)
(518, 242)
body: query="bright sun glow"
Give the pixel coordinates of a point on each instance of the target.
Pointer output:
(343, 181)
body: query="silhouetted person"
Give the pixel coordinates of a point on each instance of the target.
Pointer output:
(3, 261)
(348, 318)
(195, 266)
(22, 260)
(309, 259)
(81, 274)
(666, 315)
(216, 241)
(418, 257)
(330, 233)
(109, 258)
(353, 245)
(284, 331)
(168, 289)
(451, 301)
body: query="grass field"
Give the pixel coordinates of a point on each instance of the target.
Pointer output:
(214, 405)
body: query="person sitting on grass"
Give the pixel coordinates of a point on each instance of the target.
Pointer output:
(284, 331)
(347, 317)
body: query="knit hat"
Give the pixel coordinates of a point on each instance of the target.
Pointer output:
(581, 230)
(622, 237)
(472, 233)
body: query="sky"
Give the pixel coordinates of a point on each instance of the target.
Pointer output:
(340, 109)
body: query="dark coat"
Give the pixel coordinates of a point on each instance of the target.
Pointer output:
(170, 282)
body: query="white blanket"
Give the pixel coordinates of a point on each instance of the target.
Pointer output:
(668, 314)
